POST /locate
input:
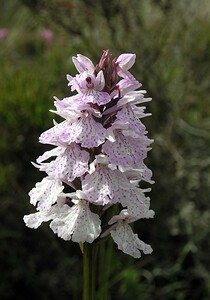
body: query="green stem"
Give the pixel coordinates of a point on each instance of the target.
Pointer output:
(105, 256)
(89, 270)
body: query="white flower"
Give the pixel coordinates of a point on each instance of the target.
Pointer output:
(77, 223)
(70, 108)
(71, 162)
(125, 150)
(135, 175)
(106, 186)
(137, 204)
(124, 237)
(36, 219)
(85, 130)
(45, 193)
(129, 242)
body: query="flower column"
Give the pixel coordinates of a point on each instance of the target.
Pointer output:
(97, 162)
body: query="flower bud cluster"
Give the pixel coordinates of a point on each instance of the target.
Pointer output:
(91, 188)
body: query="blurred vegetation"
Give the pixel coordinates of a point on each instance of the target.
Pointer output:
(172, 43)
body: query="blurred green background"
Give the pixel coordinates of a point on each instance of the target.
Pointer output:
(172, 43)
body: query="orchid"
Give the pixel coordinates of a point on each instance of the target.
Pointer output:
(97, 162)
(123, 235)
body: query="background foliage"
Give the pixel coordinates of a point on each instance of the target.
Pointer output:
(172, 43)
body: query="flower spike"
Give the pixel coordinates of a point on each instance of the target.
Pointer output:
(97, 162)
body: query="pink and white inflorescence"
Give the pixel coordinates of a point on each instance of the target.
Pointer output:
(98, 158)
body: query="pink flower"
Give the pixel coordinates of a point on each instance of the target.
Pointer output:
(85, 130)
(126, 150)
(48, 36)
(4, 32)
(90, 88)
(104, 185)
(71, 162)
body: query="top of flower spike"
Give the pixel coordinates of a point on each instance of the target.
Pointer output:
(114, 67)
(125, 61)
(98, 84)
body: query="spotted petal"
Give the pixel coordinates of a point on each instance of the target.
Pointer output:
(85, 130)
(137, 204)
(71, 162)
(56, 135)
(126, 151)
(45, 193)
(77, 223)
(129, 242)
(36, 219)
(128, 116)
(105, 186)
